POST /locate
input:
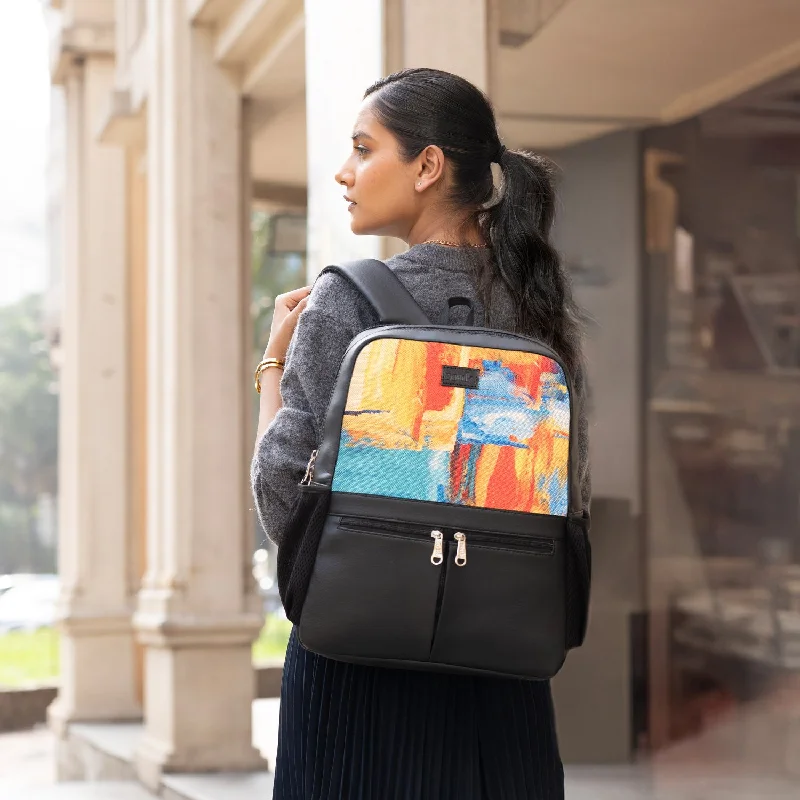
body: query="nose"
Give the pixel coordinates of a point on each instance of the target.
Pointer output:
(344, 176)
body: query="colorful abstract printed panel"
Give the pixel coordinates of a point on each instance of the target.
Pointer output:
(503, 445)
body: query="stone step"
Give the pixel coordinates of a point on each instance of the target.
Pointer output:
(220, 786)
(99, 758)
(99, 752)
(105, 752)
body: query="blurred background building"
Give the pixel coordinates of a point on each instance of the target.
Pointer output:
(200, 139)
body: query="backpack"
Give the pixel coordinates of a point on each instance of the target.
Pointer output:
(437, 526)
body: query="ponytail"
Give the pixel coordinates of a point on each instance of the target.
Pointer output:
(517, 228)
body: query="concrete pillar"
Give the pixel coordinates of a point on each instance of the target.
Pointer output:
(599, 233)
(391, 35)
(98, 590)
(137, 353)
(197, 616)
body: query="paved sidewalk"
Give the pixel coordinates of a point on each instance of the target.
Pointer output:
(27, 773)
(27, 760)
(82, 791)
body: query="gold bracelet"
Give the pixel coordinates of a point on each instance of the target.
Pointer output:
(266, 364)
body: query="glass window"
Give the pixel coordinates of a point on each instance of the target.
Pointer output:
(723, 448)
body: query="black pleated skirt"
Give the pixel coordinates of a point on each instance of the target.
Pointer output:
(351, 732)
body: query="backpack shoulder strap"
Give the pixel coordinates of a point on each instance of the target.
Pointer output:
(384, 291)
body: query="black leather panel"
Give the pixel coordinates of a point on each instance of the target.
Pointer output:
(383, 289)
(374, 593)
(474, 337)
(446, 516)
(527, 637)
(371, 594)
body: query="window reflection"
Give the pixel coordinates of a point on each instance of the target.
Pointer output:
(723, 445)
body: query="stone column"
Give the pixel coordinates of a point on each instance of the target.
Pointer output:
(443, 35)
(391, 35)
(97, 647)
(196, 616)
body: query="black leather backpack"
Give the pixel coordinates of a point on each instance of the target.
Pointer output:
(438, 525)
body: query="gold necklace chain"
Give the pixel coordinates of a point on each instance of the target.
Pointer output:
(445, 243)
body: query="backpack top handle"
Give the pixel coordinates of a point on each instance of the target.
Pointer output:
(383, 289)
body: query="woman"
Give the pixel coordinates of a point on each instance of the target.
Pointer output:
(420, 169)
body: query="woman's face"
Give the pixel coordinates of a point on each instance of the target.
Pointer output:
(379, 187)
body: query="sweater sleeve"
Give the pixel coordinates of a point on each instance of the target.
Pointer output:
(334, 314)
(282, 453)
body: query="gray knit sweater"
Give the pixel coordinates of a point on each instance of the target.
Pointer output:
(335, 313)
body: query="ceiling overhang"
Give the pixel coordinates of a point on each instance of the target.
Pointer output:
(590, 67)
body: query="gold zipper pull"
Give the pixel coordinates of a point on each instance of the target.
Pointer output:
(461, 551)
(438, 555)
(307, 478)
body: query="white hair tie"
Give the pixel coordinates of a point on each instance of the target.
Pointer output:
(498, 186)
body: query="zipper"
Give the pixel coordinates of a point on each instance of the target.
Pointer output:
(309, 476)
(360, 524)
(397, 529)
(461, 550)
(513, 541)
(437, 556)
(510, 541)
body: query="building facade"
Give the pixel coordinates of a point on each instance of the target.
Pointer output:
(675, 127)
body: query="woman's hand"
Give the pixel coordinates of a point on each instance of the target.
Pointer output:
(287, 310)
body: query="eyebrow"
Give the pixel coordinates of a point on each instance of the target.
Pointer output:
(361, 135)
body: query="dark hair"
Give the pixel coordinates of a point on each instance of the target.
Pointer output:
(427, 106)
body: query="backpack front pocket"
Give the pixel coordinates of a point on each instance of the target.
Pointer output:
(374, 586)
(523, 576)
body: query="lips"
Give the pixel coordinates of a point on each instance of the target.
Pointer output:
(352, 203)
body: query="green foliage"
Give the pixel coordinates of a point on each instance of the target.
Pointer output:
(29, 658)
(271, 643)
(19, 547)
(28, 432)
(273, 274)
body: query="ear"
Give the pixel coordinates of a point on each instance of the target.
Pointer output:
(430, 167)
